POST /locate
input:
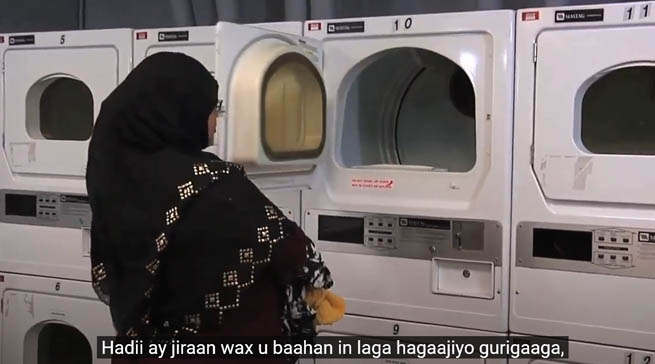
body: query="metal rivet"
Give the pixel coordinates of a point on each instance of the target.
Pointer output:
(466, 273)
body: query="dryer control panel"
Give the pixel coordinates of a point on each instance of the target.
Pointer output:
(45, 208)
(589, 249)
(405, 236)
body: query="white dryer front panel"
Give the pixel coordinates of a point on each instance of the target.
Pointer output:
(586, 353)
(372, 327)
(594, 124)
(57, 82)
(411, 199)
(583, 237)
(51, 321)
(196, 42)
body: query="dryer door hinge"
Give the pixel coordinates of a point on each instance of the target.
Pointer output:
(534, 52)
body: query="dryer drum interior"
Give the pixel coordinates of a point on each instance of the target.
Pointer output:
(410, 106)
(59, 343)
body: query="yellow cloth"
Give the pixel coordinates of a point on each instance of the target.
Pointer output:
(329, 307)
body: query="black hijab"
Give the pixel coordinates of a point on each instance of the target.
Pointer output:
(146, 168)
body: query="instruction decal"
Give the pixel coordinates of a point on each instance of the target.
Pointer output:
(173, 36)
(346, 27)
(382, 184)
(21, 40)
(581, 15)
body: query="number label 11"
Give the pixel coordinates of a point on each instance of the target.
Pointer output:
(631, 12)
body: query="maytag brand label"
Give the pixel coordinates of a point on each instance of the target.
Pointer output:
(173, 36)
(424, 223)
(577, 16)
(346, 27)
(646, 237)
(21, 40)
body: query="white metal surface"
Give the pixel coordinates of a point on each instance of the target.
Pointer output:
(585, 353)
(30, 304)
(597, 308)
(200, 44)
(363, 326)
(575, 58)
(98, 58)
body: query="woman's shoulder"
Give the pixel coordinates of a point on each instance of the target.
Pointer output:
(230, 185)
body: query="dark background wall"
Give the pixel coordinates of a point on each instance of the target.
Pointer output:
(44, 15)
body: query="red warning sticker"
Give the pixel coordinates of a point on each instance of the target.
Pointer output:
(141, 35)
(383, 184)
(2, 39)
(313, 26)
(530, 16)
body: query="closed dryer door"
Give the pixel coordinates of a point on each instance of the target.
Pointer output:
(53, 98)
(594, 126)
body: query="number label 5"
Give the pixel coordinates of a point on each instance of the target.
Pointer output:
(406, 24)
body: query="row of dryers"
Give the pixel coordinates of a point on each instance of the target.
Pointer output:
(428, 156)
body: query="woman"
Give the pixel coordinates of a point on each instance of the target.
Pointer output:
(183, 242)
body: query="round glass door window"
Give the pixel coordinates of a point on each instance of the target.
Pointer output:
(618, 112)
(60, 109)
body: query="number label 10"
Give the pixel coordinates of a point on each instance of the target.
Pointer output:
(400, 24)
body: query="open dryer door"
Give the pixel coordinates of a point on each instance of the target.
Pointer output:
(594, 117)
(273, 94)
